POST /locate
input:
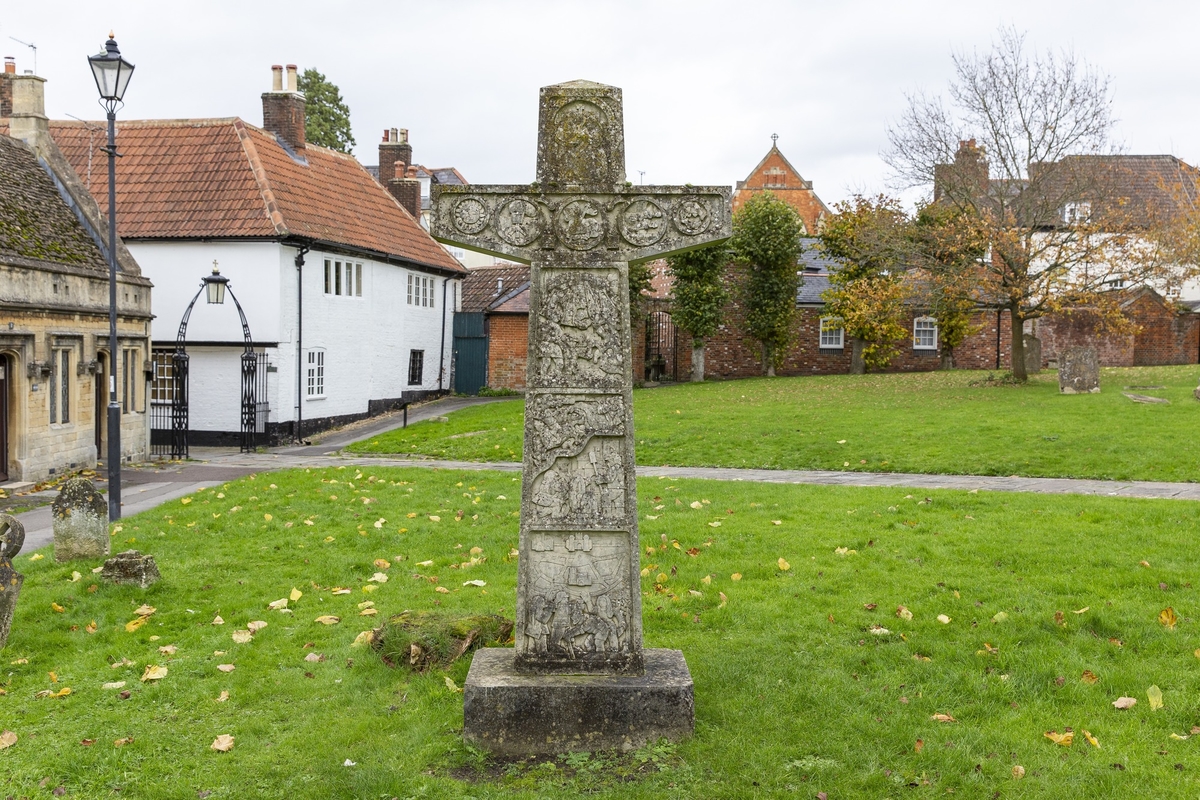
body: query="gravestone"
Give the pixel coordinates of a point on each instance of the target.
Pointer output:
(1033, 354)
(132, 568)
(12, 536)
(578, 677)
(80, 522)
(1078, 370)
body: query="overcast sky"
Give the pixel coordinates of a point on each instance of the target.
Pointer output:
(705, 83)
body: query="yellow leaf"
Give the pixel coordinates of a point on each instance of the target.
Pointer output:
(442, 590)
(1089, 677)
(942, 618)
(383, 563)
(1000, 616)
(75, 577)
(737, 576)
(696, 504)
(114, 685)
(903, 613)
(255, 626)
(1092, 740)
(776, 522)
(368, 612)
(145, 610)
(328, 619)
(168, 650)
(1167, 617)
(217, 620)
(278, 605)
(54, 677)
(241, 637)
(1083, 610)
(222, 697)
(123, 742)
(1063, 739)
(90, 627)
(783, 564)
(7, 739)
(366, 637)
(434, 518)
(378, 577)
(1123, 703)
(226, 667)
(63, 692)
(134, 624)
(185, 501)
(943, 718)
(154, 673)
(724, 599)
(706, 580)
(428, 563)
(223, 743)
(1018, 772)
(370, 587)
(57, 608)
(1154, 695)
(295, 595)
(451, 685)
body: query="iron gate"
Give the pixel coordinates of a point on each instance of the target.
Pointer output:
(169, 402)
(470, 353)
(661, 340)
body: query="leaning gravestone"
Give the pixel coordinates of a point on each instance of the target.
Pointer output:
(578, 678)
(12, 536)
(80, 522)
(1033, 354)
(1079, 370)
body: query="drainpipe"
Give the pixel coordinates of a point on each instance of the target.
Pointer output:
(300, 338)
(999, 313)
(442, 349)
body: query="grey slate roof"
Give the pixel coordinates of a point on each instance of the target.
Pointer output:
(815, 267)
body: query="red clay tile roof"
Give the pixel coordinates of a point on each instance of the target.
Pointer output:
(223, 178)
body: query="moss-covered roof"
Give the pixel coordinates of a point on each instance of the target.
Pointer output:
(35, 222)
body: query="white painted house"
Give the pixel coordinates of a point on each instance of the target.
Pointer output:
(348, 301)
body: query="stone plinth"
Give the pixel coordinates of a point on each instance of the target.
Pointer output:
(80, 522)
(131, 568)
(1079, 370)
(517, 714)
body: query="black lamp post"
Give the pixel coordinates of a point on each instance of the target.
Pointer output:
(112, 73)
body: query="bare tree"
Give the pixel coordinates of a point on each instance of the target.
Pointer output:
(1022, 146)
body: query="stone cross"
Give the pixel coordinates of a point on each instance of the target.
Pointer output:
(579, 225)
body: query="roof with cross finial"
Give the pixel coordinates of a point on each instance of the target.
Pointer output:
(776, 174)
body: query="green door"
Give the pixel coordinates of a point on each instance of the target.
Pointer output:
(470, 353)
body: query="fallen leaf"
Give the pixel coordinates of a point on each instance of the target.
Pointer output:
(442, 590)
(295, 595)
(1167, 617)
(724, 599)
(1060, 618)
(328, 619)
(879, 630)
(90, 627)
(943, 718)
(224, 742)
(378, 577)
(340, 590)
(1063, 739)
(7, 739)
(919, 746)
(123, 742)
(1083, 610)
(1018, 772)
(349, 763)
(903, 613)
(942, 618)
(154, 673)
(87, 742)
(75, 576)
(145, 610)
(217, 620)
(255, 626)
(368, 612)
(737, 576)
(314, 657)
(36, 557)
(1089, 677)
(428, 563)
(364, 638)
(776, 522)
(114, 685)
(222, 697)
(1000, 616)
(242, 637)
(1123, 703)
(714, 524)
(870, 606)
(696, 504)
(434, 518)
(383, 563)
(1144, 563)
(706, 580)
(134, 624)
(451, 685)
(475, 582)
(278, 605)
(185, 501)
(168, 650)
(1092, 740)
(1180, 738)
(1154, 695)
(226, 667)
(783, 564)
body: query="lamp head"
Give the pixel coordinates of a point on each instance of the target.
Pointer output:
(214, 286)
(112, 73)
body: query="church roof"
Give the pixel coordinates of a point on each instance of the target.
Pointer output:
(774, 173)
(224, 178)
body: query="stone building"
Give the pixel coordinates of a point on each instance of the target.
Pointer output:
(348, 301)
(54, 356)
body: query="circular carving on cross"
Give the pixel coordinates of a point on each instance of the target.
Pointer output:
(470, 215)
(643, 222)
(12, 536)
(692, 216)
(580, 224)
(518, 222)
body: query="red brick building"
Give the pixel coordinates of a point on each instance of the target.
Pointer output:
(775, 174)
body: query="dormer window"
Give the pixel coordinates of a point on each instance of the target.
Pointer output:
(1076, 213)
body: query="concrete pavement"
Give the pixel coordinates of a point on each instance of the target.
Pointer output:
(150, 486)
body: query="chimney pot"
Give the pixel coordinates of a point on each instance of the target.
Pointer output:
(276, 78)
(10, 65)
(291, 78)
(385, 134)
(403, 135)
(392, 135)
(283, 108)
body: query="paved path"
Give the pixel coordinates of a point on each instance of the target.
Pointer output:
(145, 488)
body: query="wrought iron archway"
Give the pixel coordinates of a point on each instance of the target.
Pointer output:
(179, 375)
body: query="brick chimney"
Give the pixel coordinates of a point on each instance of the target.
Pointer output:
(26, 99)
(283, 108)
(406, 190)
(10, 69)
(394, 148)
(967, 175)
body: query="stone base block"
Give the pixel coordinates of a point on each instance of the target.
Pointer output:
(515, 714)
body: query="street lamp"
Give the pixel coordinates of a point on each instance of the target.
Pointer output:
(112, 73)
(214, 287)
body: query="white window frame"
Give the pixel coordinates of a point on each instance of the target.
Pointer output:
(921, 326)
(1076, 213)
(830, 326)
(314, 374)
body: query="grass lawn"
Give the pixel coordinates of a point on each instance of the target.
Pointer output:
(798, 691)
(932, 422)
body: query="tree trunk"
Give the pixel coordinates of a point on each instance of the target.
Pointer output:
(947, 358)
(697, 360)
(857, 365)
(768, 360)
(1018, 346)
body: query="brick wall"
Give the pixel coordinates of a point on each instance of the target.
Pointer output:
(508, 351)
(1164, 335)
(283, 113)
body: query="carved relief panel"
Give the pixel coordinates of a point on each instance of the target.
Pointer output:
(577, 336)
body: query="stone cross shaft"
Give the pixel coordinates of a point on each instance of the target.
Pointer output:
(579, 226)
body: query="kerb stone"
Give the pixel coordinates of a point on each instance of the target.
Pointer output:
(80, 519)
(514, 713)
